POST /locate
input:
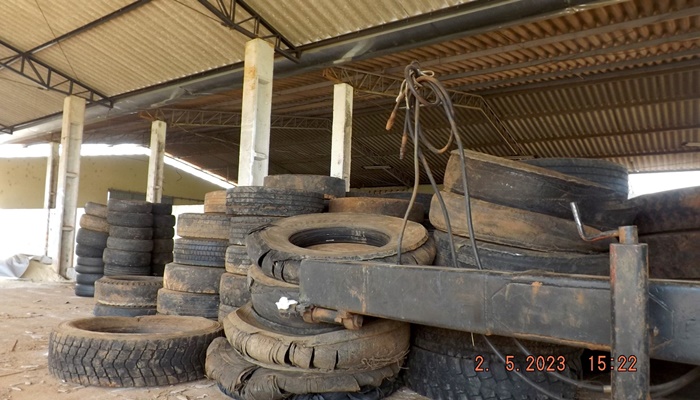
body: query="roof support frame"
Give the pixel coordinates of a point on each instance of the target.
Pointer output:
(226, 11)
(216, 118)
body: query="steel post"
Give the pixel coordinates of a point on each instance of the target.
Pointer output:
(341, 142)
(154, 189)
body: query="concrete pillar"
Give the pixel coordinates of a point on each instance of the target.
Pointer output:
(68, 180)
(254, 155)
(154, 191)
(341, 142)
(50, 190)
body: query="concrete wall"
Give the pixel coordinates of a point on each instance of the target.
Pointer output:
(22, 180)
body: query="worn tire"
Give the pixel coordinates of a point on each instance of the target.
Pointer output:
(96, 209)
(131, 245)
(205, 253)
(106, 310)
(237, 260)
(90, 261)
(204, 226)
(163, 232)
(91, 238)
(442, 365)
(233, 290)
(504, 258)
(129, 206)
(171, 302)
(125, 232)
(376, 205)
(669, 211)
(89, 269)
(265, 292)
(161, 258)
(186, 278)
(163, 221)
(131, 352)
(262, 201)
(605, 173)
(240, 226)
(215, 202)
(158, 269)
(117, 270)
(132, 220)
(94, 223)
(87, 279)
(513, 227)
(126, 258)
(244, 380)
(330, 187)
(224, 311)
(279, 247)
(84, 290)
(82, 250)
(128, 291)
(379, 343)
(163, 245)
(161, 209)
(673, 255)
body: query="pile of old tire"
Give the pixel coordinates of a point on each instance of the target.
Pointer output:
(126, 296)
(153, 350)
(130, 240)
(191, 282)
(163, 233)
(91, 241)
(268, 340)
(252, 207)
(378, 205)
(522, 221)
(669, 222)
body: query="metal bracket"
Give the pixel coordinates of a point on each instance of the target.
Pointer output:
(315, 315)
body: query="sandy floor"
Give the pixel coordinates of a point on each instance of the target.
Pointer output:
(28, 313)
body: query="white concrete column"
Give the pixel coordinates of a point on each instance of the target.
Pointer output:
(341, 142)
(68, 180)
(51, 176)
(154, 191)
(254, 155)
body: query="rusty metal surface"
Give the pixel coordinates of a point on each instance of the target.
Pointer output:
(669, 211)
(557, 308)
(674, 255)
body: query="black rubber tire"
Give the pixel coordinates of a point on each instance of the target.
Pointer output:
(205, 253)
(132, 220)
(84, 290)
(203, 226)
(129, 206)
(125, 232)
(163, 245)
(604, 173)
(171, 302)
(162, 258)
(126, 258)
(90, 238)
(237, 260)
(87, 279)
(96, 209)
(442, 365)
(128, 291)
(163, 221)
(380, 342)
(244, 380)
(163, 232)
(117, 270)
(330, 187)
(215, 202)
(240, 226)
(90, 261)
(106, 310)
(233, 290)
(224, 311)
(262, 201)
(94, 223)
(275, 327)
(158, 269)
(421, 198)
(673, 255)
(279, 248)
(376, 205)
(131, 352)
(186, 278)
(669, 211)
(82, 250)
(161, 209)
(89, 269)
(131, 245)
(504, 258)
(265, 292)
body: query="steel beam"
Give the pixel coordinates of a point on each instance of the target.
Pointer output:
(556, 308)
(215, 118)
(384, 85)
(229, 13)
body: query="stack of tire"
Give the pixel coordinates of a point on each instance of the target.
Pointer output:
(163, 233)
(91, 241)
(191, 282)
(669, 222)
(522, 220)
(130, 239)
(126, 296)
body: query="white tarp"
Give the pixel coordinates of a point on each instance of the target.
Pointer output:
(14, 266)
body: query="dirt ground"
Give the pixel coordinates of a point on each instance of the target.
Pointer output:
(28, 312)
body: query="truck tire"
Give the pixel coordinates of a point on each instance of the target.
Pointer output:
(126, 258)
(82, 250)
(131, 245)
(204, 226)
(215, 202)
(240, 226)
(237, 260)
(161, 209)
(106, 310)
(129, 206)
(205, 253)
(94, 223)
(91, 238)
(262, 201)
(118, 270)
(87, 279)
(125, 232)
(96, 210)
(167, 350)
(171, 302)
(329, 186)
(128, 291)
(669, 211)
(129, 219)
(376, 205)
(605, 173)
(163, 220)
(82, 290)
(233, 290)
(186, 278)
